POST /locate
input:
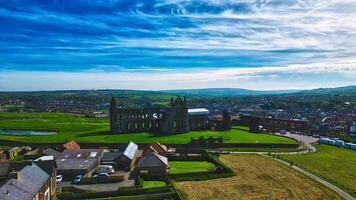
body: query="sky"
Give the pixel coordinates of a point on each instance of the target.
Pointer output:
(176, 44)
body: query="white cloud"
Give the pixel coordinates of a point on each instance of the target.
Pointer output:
(328, 74)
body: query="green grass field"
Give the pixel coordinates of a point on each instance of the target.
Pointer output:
(153, 184)
(83, 129)
(178, 167)
(334, 164)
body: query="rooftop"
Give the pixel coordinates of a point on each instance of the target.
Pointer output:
(130, 150)
(75, 164)
(198, 111)
(26, 186)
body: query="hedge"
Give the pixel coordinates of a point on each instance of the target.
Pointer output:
(96, 180)
(120, 192)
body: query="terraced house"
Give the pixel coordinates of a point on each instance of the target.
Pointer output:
(35, 181)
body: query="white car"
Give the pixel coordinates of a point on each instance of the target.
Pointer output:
(59, 178)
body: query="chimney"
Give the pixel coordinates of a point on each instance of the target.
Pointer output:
(15, 175)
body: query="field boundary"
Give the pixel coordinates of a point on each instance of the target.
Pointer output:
(179, 147)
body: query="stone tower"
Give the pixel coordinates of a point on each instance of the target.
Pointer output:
(226, 120)
(175, 119)
(113, 115)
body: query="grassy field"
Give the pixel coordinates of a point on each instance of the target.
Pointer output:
(177, 167)
(334, 164)
(83, 129)
(257, 177)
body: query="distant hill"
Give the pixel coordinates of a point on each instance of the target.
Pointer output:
(165, 94)
(337, 90)
(227, 92)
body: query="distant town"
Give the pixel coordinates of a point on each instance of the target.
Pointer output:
(329, 112)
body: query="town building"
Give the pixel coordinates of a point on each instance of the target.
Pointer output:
(274, 124)
(31, 182)
(128, 155)
(352, 131)
(199, 119)
(156, 147)
(153, 165)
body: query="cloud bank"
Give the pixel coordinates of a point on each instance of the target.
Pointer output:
(163, 44)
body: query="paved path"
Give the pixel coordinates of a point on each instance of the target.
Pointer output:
(102, 187)
(344, 194)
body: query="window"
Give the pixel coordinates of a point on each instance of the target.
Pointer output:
(47, 195)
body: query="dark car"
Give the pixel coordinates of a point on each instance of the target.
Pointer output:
(77, 179)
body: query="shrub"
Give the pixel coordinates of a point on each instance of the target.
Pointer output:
(121, 192)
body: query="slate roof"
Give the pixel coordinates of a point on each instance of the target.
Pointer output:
(31, 179)
(75, 164)
(47, 165)
(153, 160)
(51, 152)
(4, 168)
(110, 156)
(82, 153)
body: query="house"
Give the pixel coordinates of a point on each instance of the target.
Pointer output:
(71, 163)
(30, 183)
(155, 148)
(33, 154)
(71, 145)
(48, 164)
(13, 152)
(152, 164)
(4, 170)
(129, 154)
(111, 158)
(51, 152)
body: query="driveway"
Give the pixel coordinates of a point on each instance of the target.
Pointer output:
(106, 186)
(102, 187)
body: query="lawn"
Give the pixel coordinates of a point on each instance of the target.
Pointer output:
(178, 167)
(153, 184)
(83, 129)
(334, 164)
(257, 177)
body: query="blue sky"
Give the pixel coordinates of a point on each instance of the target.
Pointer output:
(171, 44)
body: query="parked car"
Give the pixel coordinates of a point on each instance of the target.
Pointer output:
(77, 179)
(106, 169)
(102, 175)
(59, 178)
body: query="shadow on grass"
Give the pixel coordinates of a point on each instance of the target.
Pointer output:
(103, 133)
